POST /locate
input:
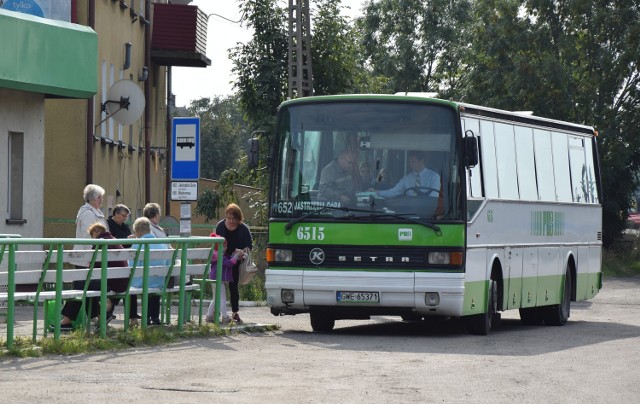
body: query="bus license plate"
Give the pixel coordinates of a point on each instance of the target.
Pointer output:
(358, 297)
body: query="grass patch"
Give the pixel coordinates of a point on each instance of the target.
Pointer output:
(78, 342)
(621, 262)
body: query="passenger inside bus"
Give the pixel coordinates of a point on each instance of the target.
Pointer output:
(367, 174)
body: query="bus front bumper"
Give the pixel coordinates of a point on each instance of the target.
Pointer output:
(294, 291)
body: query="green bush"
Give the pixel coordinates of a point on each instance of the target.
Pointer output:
(622, 259)
(254, 291)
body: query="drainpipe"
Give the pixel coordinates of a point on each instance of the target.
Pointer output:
(74, 11)
(147, 109)
(168, 151)
(90, 107)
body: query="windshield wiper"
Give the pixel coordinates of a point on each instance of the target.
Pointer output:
(290, 223)
(369, 215)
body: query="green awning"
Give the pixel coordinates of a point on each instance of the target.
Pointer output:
(46, 56)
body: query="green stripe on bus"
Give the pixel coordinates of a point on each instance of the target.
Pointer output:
(529, 292)
(405, 234)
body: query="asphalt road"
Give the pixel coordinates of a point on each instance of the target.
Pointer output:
(595, 358)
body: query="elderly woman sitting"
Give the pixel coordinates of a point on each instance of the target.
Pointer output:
(142, 229)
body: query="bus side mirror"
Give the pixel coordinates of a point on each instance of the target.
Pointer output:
(470, 144)
(253, 153)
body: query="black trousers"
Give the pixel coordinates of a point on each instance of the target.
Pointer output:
(234, 294)
(153, 310)
(72, 307)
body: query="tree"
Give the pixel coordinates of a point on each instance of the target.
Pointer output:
(208, 204)
(261, 64)
(405, 40)
(337, 53)
(571, 60)
(575, 61)
(262, 67)
(223, 134)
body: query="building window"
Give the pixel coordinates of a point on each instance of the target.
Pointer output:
(103, 96)
(16, 176)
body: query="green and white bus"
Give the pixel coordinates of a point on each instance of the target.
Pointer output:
(515, 223)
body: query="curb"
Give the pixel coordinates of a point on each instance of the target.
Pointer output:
(196, 302)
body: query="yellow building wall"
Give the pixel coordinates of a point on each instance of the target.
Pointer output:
(64, 157)
(119, 170)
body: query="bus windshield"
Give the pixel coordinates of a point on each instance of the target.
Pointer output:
(366, 160)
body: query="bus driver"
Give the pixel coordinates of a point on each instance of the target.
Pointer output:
(420, 178)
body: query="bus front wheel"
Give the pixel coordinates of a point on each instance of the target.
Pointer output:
(321, 322)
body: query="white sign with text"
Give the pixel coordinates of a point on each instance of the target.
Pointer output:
(184, 191)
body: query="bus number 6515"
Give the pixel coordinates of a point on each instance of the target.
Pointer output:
(310, 233)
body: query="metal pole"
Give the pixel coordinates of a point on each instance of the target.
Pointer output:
(104, 264)
(216, 312)
(11, 305)
(145, 288)
(183, 278)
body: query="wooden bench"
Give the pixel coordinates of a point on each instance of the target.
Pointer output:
(190, 258)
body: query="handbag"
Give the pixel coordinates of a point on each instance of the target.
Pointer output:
(248, 268)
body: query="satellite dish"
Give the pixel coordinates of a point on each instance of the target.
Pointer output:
(125, 102)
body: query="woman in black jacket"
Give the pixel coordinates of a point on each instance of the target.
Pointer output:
(238, 236)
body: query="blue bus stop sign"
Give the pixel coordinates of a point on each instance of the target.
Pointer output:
(185, 147)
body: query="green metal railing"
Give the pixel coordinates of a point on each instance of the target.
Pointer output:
(3, 287)
(9, 246)
(61, 227)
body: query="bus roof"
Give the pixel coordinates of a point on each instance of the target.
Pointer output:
(363, 97)
(465, 108)
(523, 117)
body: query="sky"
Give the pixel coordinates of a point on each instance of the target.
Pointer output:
(192, 83)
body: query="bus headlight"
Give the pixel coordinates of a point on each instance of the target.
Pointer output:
(432, 298)
(287, 295)
(279, 255)
(445, 258)
(439, 258)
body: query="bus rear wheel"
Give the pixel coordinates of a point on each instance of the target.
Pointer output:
(322, 322)
(531, 316)
(481, 324)
(558, 314)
